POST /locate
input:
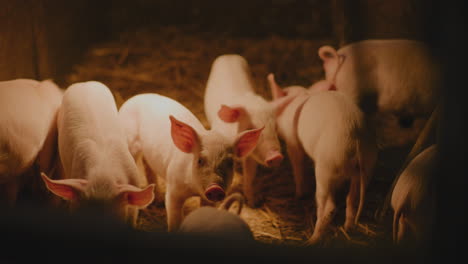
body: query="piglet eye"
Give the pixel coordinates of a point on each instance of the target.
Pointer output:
(201, 162)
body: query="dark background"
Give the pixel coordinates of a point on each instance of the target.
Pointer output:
(43, 39)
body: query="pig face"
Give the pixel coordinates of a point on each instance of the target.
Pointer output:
(100, 193)
(259, 114)
(213, 156)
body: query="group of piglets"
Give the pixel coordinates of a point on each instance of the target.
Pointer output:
(81, 124)
(90, 153)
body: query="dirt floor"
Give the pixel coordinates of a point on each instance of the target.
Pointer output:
(175, 62)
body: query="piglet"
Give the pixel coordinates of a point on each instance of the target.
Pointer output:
(221, 224)
(413, 199)
(177, 148)
(331, 129)
(98, 167)
(395, 79)
(28, 132)
(287, 125)
(232, 106)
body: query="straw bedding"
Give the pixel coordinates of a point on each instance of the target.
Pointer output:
(175, 62)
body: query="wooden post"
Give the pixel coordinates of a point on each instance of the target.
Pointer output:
(17, 50)
(42, 39)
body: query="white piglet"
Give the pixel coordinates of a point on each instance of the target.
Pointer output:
(398, 78)
(232, 106)
(287, 125)
(413, 199)
(332, 131)
(27, 132)
(98, 167)
(176, 147)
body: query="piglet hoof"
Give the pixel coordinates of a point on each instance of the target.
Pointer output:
(349, 225)
(314, 242)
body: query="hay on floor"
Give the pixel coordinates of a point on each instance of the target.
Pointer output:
(176, 62)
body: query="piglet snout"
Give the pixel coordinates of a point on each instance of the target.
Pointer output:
(273, 158)
(215, 193)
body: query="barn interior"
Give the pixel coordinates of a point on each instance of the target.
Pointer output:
(167, 47)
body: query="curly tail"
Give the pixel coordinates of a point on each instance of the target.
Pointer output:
(226, 204)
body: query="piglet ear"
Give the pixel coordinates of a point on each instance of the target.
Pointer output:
(247, 141)
(230, 114)
(327, 53)
(276, 90)
(184, 136)
(135, 196)
(68, 189)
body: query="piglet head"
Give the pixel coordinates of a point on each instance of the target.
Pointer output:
(113, 200)
(213, 155)
(266, 150)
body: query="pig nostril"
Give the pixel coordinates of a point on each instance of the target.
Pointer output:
(215, 193)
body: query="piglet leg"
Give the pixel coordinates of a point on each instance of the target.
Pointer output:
(249, 170)
(325, 204)
(402, 228)
(174, 204)
(351, 203)
(296, 157)
(132, 216)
